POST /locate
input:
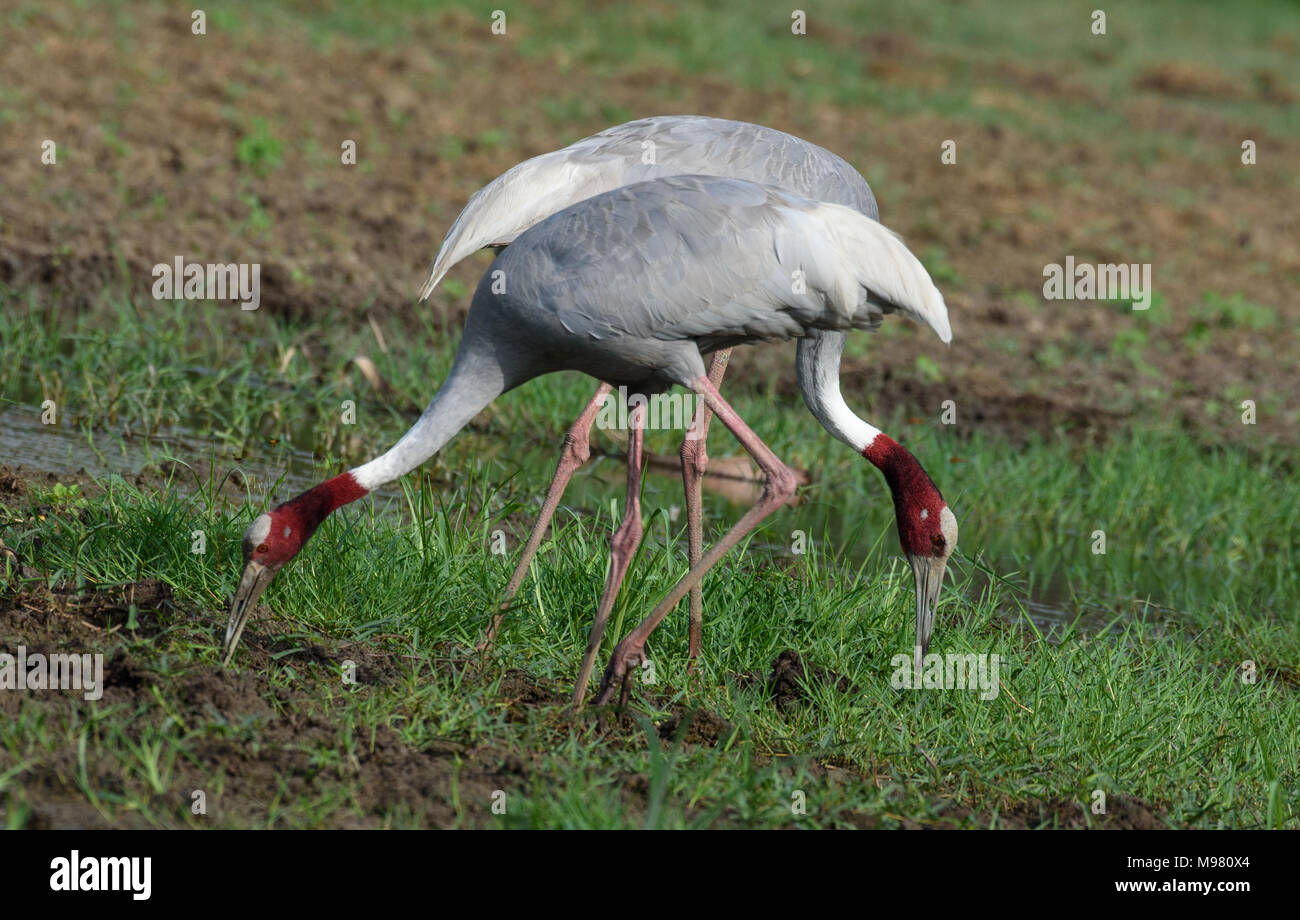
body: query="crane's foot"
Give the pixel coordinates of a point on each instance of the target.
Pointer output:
(628, 656)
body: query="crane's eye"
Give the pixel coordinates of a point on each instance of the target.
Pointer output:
(938, 541)
(263, 548)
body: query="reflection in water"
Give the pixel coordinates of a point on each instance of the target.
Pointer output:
(735, 479)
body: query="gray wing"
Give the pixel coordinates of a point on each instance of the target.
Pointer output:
(697, 145)
(638, 151)
(718, 261)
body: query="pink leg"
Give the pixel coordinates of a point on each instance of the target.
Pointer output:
(695, 460)
(780, 485)
(573, 454)
(622, 546)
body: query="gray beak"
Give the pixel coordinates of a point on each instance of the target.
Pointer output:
(928, 572)
(251, 585)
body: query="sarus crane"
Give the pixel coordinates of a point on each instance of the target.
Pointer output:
(648, 148)
(635, 287)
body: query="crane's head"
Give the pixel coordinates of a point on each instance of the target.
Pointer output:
(270, 541)
(275, 537)
(927, 528)
(928, 531)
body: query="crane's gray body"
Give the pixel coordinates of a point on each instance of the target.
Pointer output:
(649, 148)
(605, 325)
(634, 285)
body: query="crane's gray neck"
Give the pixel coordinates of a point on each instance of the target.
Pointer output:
(471, 386)
(817, 364)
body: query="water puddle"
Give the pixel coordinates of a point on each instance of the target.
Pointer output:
(1054, 619)
(65, 450)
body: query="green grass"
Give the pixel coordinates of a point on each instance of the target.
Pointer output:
(1147, 701)
(1153, 707)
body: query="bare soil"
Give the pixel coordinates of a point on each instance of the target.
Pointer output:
(134, 624)
(149, 122)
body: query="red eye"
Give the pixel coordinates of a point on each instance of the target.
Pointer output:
(938, 541)
(263, 548)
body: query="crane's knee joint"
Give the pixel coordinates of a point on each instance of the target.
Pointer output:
(628, 536)
(695, 457)
(576, 448)
(781, 484)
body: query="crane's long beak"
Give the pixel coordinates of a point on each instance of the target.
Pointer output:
(928, 572)
(251, 585)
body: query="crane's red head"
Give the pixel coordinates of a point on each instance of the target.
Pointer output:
(927, 528)
(275, 537)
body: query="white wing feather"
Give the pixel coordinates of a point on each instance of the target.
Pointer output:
(720, 261)
(854, 259)
(520, 197)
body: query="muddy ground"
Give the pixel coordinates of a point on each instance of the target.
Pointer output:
(264, 751)
(155, 160)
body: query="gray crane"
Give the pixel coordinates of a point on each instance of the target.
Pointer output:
(635, 287)
(649, 148)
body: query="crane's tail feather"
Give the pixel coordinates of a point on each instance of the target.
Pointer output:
(868, 260)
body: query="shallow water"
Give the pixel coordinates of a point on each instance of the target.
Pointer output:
(64, 449)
